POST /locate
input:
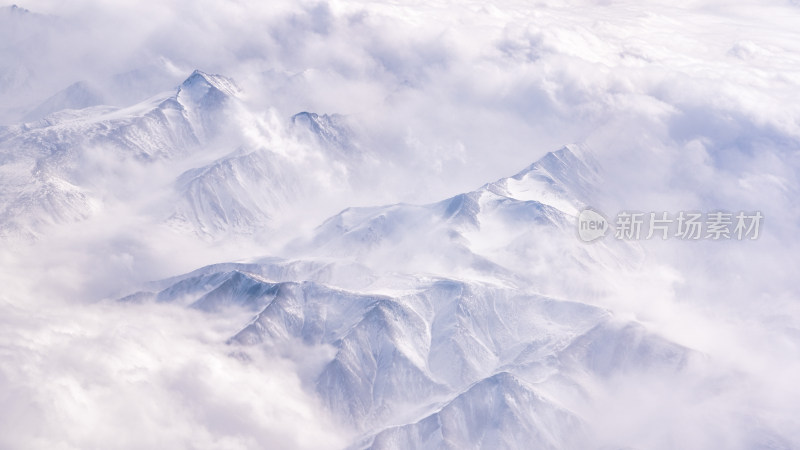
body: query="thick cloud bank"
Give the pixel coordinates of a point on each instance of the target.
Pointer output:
(685, 106)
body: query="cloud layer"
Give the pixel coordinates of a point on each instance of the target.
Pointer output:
(686, 105)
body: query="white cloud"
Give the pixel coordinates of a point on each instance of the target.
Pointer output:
(688, 105)
(137, 376)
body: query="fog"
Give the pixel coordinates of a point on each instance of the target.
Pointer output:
(687, 105)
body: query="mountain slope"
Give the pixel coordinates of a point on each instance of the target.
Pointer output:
(67, 165)
(498, 412)
(47, 157)
(78, 95)
(430, 341)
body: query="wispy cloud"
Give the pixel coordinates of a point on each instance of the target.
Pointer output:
(687, 105)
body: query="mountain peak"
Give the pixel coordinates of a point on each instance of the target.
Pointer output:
(16, 10)
(200, 82)
(331, 129)
(78, 95)
(552, 160)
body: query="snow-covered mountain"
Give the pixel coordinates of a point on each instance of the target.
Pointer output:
(517, 229)
(426, 355)
(240, 192)
(418, 359)
(50, 165)
(440, 325)
(46, 181)
(359, 242)
(78, 95)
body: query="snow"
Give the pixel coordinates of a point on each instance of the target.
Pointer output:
(363, 242)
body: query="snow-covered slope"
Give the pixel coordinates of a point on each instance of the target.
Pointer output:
(249, 189)
(331, 130)
(46, 179)
(547, 194)
(239, 192)
(420, 355)
(78, 95)
(373, 250)
(56, 169)
(517, 229)
(443, 363)
(498, 412)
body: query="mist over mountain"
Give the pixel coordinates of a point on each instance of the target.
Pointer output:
(356, 225)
